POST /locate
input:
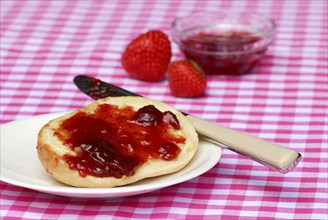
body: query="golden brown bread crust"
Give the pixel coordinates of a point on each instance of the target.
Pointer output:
(51, 150)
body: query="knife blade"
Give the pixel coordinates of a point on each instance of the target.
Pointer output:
(272, 155)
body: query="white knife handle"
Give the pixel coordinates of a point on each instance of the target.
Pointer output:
(269, 154)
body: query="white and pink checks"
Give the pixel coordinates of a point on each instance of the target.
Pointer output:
(44, 44)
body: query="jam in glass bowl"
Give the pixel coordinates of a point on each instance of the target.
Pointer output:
(224, 43)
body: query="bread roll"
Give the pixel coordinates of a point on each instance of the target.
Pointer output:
(125, 142)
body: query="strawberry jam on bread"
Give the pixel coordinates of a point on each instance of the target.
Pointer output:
(116, 141)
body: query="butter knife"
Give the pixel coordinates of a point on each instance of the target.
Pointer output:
(272, 155)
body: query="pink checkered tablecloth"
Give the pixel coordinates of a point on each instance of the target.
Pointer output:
(44, 44)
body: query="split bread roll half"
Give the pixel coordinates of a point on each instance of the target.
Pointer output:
(116, 141)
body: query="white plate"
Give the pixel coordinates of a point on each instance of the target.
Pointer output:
(20, 165)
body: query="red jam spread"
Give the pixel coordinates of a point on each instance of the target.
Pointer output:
(94, 89)
(113, 142)
(226, 53)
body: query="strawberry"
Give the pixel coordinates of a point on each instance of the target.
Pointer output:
(186, 79)
(148, 56)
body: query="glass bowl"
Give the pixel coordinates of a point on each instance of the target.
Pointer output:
(224, 43)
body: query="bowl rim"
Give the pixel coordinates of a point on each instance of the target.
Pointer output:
(262, 34)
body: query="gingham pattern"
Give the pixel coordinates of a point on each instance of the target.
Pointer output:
(44, 44)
